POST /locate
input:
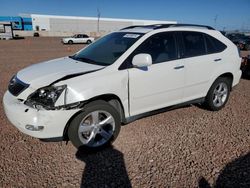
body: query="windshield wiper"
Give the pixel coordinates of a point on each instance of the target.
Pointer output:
(87, 60)
(72, 56)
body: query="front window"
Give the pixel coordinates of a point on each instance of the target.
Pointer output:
(160, 46)
(108, 49)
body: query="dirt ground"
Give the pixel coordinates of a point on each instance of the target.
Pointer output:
(185, 147)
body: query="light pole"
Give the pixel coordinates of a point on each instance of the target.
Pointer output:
(98, 20)
(215, 20)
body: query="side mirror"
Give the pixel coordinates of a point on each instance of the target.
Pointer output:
(142, 60)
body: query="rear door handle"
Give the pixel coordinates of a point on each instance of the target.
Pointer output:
(179, 67)
(216, 60)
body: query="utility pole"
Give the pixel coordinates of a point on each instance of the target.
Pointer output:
(215, 21)
(98, 20)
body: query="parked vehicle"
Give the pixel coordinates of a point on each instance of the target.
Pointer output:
(242, 41)
(36, 34)
(78, 38)
(245, 67)
(124, 75)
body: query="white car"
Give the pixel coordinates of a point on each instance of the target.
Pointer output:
(86, 97)
(78, 38)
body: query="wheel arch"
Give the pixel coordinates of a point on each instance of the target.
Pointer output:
(112, 99)
(229, 76)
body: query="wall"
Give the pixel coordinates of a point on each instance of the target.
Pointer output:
(85, 24)
(41, 22)
(55, 33)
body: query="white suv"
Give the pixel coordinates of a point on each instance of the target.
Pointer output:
(87, 96)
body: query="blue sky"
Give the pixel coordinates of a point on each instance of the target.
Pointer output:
(231, 14)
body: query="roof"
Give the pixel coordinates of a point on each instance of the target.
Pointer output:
(148, 28)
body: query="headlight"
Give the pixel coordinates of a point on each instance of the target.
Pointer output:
(45, 97)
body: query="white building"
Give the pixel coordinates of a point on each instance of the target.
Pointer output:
(73, 24)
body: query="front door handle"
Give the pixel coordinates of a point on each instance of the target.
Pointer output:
(179, 67)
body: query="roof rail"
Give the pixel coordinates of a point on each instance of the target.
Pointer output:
(140, 26)
(184, 25)
(160, 26)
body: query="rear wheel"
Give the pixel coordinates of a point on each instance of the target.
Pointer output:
(95, 127)
(88, 41)
(218, 94)
(70, 42)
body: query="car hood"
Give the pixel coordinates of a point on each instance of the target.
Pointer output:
(45, 73)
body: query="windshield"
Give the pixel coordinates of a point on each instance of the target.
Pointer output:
(108, 49)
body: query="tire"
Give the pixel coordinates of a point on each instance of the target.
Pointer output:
(218, 94)
(96, 127)
(70, 42)
(89, 41)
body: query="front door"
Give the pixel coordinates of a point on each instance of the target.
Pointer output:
(160, 84)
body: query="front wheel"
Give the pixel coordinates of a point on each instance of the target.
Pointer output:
(89, 41)
(95, 127)
(218, 94)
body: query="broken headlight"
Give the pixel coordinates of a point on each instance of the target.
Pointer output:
(45, 97)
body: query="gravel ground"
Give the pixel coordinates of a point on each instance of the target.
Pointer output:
(185, 147)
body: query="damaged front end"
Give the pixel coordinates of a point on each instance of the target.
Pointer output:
(47, 97)
(43, 114)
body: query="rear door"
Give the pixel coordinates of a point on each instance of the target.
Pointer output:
(160, 84)
(200, 59)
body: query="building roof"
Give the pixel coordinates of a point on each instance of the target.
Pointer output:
(103, 19)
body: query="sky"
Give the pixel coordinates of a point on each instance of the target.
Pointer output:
(221, 14)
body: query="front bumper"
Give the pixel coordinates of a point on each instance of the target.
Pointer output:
(20, 115)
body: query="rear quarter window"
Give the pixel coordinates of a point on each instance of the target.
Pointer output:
(214, 45)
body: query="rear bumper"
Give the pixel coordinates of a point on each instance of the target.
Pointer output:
(237, 77)
(21, 115)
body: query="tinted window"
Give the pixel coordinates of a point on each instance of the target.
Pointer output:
(84, 36)
(194, 44)
(214, 45)
(161, 47)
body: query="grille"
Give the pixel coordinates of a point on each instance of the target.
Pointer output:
(16, 86)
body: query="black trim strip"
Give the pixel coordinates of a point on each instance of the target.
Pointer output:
(162, 110)
(73, 75)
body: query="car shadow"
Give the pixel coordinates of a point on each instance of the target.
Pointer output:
(234, 174)
(105, 168)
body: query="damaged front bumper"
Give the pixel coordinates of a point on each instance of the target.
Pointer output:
(41, 124)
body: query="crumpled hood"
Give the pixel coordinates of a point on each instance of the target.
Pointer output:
(45, 73)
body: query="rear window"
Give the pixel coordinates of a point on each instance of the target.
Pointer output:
(214, 45)
(194, 44)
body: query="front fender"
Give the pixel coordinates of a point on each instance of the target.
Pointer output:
(86, 87)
